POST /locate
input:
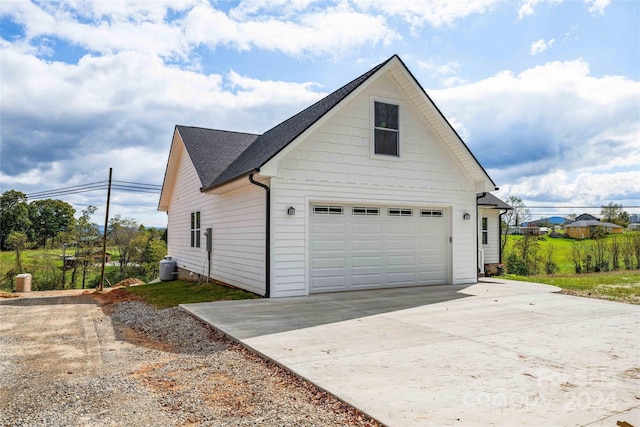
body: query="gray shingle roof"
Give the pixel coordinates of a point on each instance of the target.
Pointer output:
(489, 199)
(212, 151)
(271, 142)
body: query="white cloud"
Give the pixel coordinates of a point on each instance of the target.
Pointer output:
(66, 124)
(436, 12)
(597, 6)
(327, 31)
(144, 26)
(540, 46)
(551, 121)
(446, 73)
(527, 7)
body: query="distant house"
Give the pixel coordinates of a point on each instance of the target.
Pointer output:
(490, 211)
(583, 228)
(634, 227)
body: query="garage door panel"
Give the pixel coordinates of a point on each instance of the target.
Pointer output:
(402, 277)
(401, 260)
(401, 245)
(407, 229)
(366, 281)
(364, 228)
(330, 246)
(329, 283)
(431, 277)
(318, 263)
(366, 245)
(372, 251)
(366, 261)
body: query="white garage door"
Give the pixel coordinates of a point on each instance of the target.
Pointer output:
(364, 247)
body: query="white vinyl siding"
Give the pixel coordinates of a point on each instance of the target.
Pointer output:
(238, 222)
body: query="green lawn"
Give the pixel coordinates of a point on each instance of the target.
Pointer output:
(36, 256)
(621, 286)
(170, 294)
(561, 249)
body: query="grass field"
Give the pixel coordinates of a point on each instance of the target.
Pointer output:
(170, 294)
(621, 286)
(561, 250)
(37, 256)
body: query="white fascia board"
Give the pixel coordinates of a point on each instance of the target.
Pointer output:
(171, 172)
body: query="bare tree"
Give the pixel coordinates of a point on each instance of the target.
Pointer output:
(122, 232)
(514, 217)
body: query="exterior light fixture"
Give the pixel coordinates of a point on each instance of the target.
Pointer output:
(291, 210)
(466, 216)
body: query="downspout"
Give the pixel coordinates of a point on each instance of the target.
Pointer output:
(477, 238)
(267, 254)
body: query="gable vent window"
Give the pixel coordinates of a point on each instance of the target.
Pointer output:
(327, 210)
(430, 213)
(195, 229)
(386, 129)
(362, 210)
(400, 212)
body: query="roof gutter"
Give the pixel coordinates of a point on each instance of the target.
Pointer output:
(267, 250)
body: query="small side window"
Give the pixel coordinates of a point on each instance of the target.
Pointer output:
(195, 229)
(386, 129)
(485, 231)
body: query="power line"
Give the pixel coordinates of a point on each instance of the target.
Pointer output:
(136, 187)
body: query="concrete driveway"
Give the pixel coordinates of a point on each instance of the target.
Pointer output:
(496, 353)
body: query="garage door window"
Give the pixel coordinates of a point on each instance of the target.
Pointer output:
(365, 210)
(437, 213)
(327, 210)
(400, 212)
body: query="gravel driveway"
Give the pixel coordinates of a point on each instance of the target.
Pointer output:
(77, 360)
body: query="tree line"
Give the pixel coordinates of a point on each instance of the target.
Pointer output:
(50, 225)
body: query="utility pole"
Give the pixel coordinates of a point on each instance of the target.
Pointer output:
(104, 237)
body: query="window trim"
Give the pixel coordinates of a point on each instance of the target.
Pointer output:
(373, 128)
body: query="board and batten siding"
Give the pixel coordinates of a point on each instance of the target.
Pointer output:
(334, 164)
(238, 222)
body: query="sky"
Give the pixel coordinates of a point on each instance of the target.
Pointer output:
(545, 93)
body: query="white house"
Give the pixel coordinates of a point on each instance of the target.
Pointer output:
(369, 187)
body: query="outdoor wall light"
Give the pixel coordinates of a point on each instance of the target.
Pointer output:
(466, 216)
(291, 210)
